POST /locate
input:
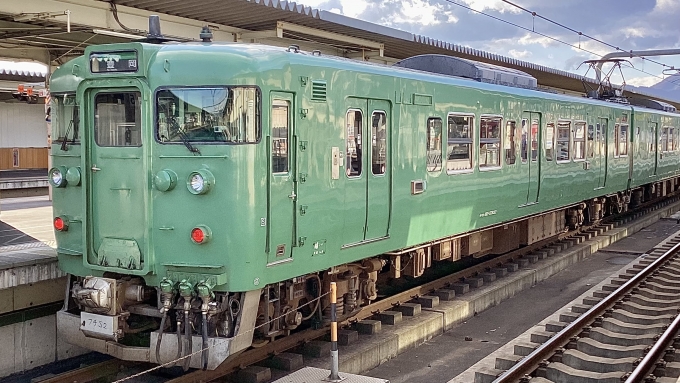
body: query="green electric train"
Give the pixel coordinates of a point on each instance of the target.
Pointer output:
(206, 194)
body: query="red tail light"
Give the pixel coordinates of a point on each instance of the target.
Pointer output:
(200, 234)
(60, 224)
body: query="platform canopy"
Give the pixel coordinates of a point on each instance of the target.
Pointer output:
(39, 30)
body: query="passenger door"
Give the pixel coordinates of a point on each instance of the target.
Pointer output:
(654, 145)
(600, 157)
(531, 123)
(367, 175)
(282, 193)
(378, 178)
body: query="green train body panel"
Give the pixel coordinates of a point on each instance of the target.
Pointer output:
(271, 227)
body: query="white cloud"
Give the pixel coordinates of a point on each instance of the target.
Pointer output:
(643, 81)
(422, 13)
(495, 5)
(519, 54)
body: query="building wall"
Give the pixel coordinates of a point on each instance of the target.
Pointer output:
(23, 136)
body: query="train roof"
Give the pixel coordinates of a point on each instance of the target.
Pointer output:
(265, 56)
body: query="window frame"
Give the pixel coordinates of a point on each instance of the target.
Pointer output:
(469, 141)
(559, 140)
(56, 108)
(511, 140)
(427, 146)
(549, 139)
(591, 143)
(583, 140)
(361, 161)
(525, 140)
(483, 141)
(277, 102)
(384, 171)
(617, 132)
(140, 104)
(258, 110)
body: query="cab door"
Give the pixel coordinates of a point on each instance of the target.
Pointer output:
(531, 123)
(282, 193)
(117, 202)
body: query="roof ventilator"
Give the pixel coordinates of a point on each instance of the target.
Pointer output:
(478, 71)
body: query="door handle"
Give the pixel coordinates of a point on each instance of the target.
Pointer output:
(292, 195)
(95, 168)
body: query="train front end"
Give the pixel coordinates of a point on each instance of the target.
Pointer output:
(153, 159)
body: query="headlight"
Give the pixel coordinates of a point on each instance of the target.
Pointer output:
(200, 182)
(56, 176)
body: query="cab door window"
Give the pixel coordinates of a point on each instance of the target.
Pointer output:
(378, 143)
(117, 120)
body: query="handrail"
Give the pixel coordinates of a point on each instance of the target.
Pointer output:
(544, 351)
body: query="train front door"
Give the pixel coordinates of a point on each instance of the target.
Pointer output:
(280, 221)
(531, 123)
(117, 202)
(599, 163)
(367, 174)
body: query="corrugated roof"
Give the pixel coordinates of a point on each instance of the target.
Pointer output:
(7, 74)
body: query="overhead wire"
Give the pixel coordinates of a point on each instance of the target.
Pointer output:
(578, 47)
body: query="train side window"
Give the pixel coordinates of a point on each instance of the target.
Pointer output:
(623, 140)
(563, 141)
(671, 139)
(280, 120)
(579, 141)
(434, 144)
(510, 131)
(378, 143)
(549, 141)
(65, 119)
(355, 127)
(524, 144)
(591, 141)
(490, 142)
(459, 148)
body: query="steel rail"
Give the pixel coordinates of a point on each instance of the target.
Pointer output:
(529, 363)
(87, 373)
(648, 363)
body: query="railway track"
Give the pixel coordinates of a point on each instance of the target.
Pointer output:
(489, 270)
(626, 331)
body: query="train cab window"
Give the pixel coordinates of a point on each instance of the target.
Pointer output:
(490, 142)
(549, 141)
(579, 141)
(434, 144)
(510, 131)
(459, 148)
(590, 145)
(65, 119)
(378, 143)
(563, 141)
(280, 120)
(118, 119)
(354, 123)
(208, 115)
(621, 140)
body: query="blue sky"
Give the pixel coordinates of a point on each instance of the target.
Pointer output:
(628, 24)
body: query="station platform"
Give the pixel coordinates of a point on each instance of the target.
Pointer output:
(32, 287)
(20, 183)
(319, 375)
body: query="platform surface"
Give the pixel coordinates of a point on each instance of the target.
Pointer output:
(27, 253)
(318, 375)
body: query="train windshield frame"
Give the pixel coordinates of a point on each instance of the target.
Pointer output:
(208, 115)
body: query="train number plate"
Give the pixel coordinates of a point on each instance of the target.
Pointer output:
(101, 324)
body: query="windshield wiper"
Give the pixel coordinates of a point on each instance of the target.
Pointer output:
(75, 125)
(184, 138)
